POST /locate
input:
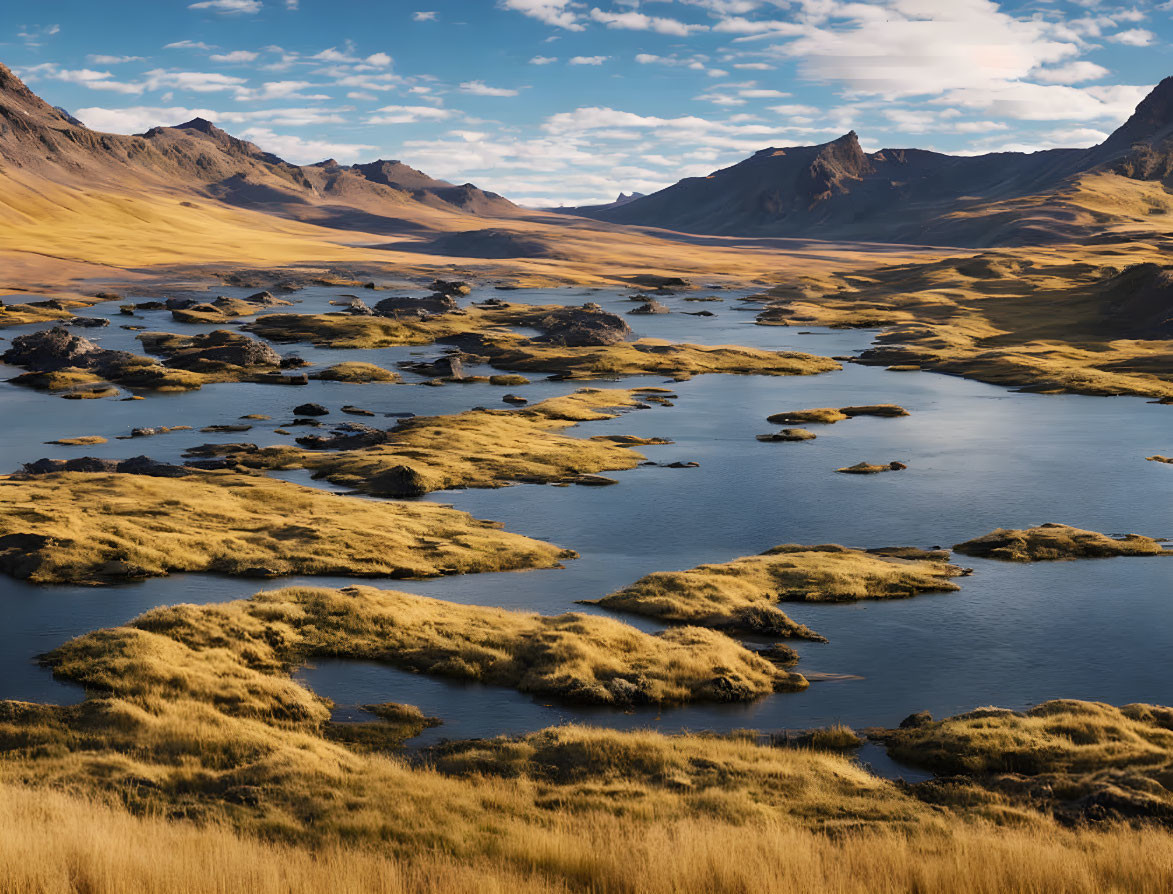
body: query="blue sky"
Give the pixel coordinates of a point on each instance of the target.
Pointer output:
(561, 101)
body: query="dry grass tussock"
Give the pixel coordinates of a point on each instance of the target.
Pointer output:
(54, 843)
(1053, 319)
(1083, 760)
(476, 448)
(576, 657)
(96, 528)
(741, 594)
(355, 373)
(485, 332)
(1053, 541)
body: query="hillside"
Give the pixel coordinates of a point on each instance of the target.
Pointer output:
(838, 191)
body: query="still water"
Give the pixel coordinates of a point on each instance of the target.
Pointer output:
(978, 457)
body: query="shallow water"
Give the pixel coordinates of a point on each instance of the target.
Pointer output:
(979, 457)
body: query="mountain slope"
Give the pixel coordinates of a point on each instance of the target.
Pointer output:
(838, 191)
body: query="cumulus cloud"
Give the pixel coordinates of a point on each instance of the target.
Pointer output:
(188, 45)
(99, 59)
(423, 16)
(1133, 37)
(552, 12)
(236, 56)
(229, 7)
(588, 60)
(1071, 73)
(1054, 102)
(637, 21)
(302, 151)
(480, 88)
(543, 60)
(408, 114)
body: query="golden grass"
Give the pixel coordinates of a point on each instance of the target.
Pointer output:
(1052, 541)
(484, 328)
(355, 373)
(820, 415)
(476, 448)
(1032, 317)
(56, 843)
(106, 527)
(741, 594)
(1083, 759)
(574, 657)
(80, 441)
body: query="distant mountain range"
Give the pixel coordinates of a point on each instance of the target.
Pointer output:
(833, 191)
(837, 191)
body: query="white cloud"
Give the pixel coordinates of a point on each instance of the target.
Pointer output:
(194, 81)
(408, 114)
(480, 88)
(913, 47)
(229, 7)
(291, 5)
(379, 60)
(588, 60)
(1133, 37)
(1055, 102)
(1071, 73)
(236, 56)
(188, 45)
(423, 16)
(543, 60)
(112, 60)
(34, 35)
(303, 151)
(637, 21)
(551, 12)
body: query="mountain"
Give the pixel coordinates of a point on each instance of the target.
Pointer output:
(838, 191)
(37, 138)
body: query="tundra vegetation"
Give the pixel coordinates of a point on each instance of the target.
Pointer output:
(1053, 541)
(742, 594)
(476, 448)
(94, 528)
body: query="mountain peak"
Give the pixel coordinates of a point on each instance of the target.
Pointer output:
(1151, 122)
(200, 124)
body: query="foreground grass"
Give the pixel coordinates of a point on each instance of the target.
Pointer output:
(741, 594)
(476, 448)
(53, 843)
(78, 527)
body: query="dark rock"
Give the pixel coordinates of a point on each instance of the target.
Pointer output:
(449, 366)
(345, 436)
(398, 481)
(234, 427)
(179, 303)
(265, 298)
(310, 410)
(144, 465)
(700, 313)
(356, 411)
(150, 305)
(47, 466)
(90, 322)
(223, 347)
(405, 306)
(450, 288)
(293, 361)
(53, 349)
(917, 720)
(514, 399)
(651, 307)
(896, 467)
(578, 327)
(682, 465)
(591, 480)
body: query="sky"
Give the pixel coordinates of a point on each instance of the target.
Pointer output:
(569, 102)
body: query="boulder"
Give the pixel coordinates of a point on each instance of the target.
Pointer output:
(53, 349)
(90, 322)
(345, 436)
(450, 366)
(450, 287)
(575, 327)
(406, 306)
(310, 410)
(223, 346)
(397, 481)
(359, 308)
(650, 307)
(179, 303)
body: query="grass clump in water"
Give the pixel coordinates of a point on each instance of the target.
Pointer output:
(94, 528)
(741, 594)
(1049, 542)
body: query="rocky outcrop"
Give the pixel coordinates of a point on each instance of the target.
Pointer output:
(650, 307)
(220, 347)
(53, 349)
(576, 327)
(438, 303)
